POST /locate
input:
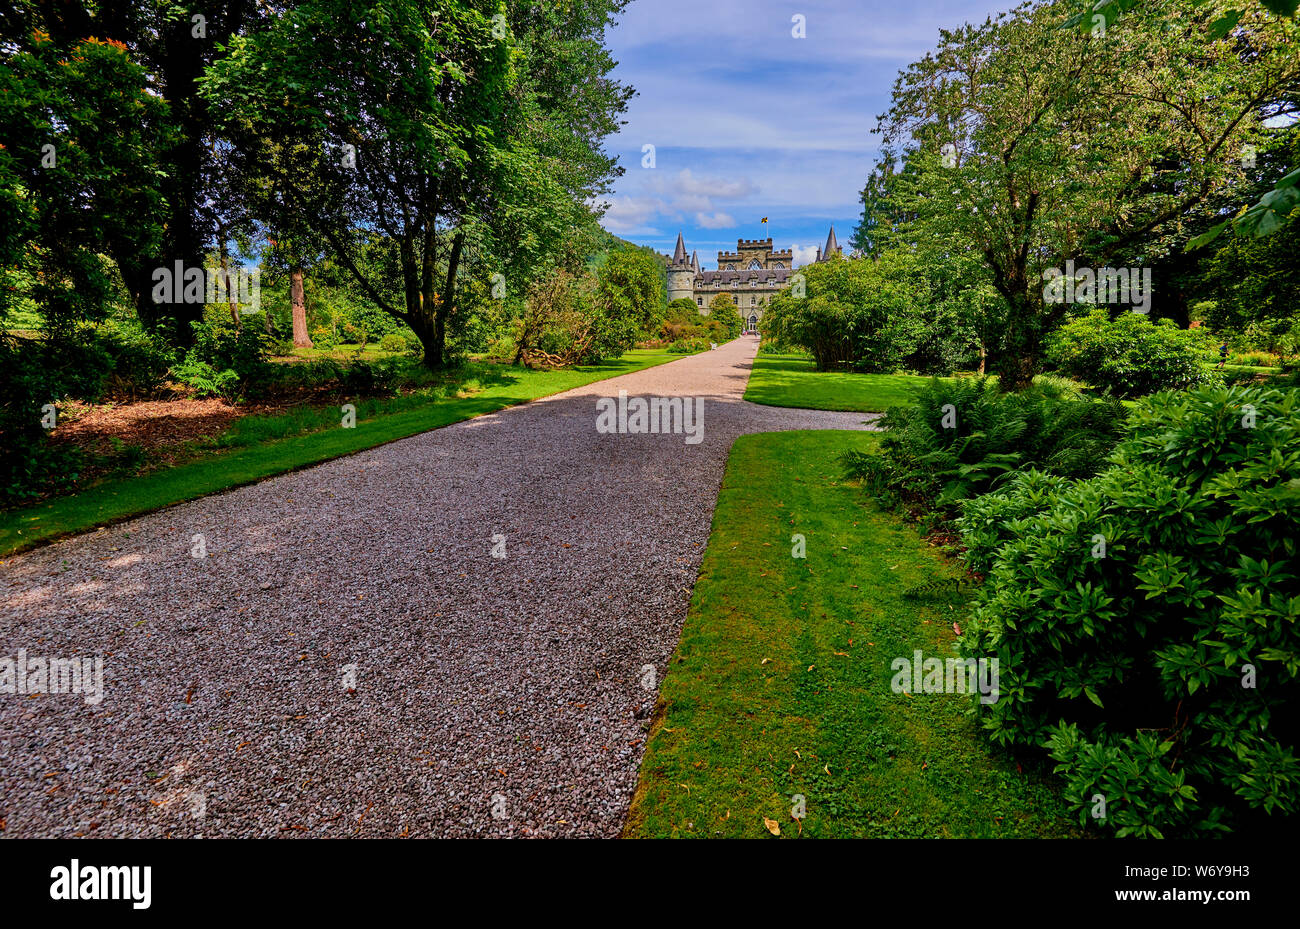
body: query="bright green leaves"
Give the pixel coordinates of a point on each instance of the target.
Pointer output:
(1182, 633)
(1262, 218)
(1273, 209)
(78, 174)
(1100, 15)
(1128, 785)
(1269, 777)
(1129, 355)
(1224, 24)
(1158, 574)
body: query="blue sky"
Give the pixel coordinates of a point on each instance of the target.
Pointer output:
(748, 121)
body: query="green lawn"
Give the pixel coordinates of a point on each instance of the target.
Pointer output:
(260, 452)
(1241, 369)
(792, 380)
(781, 683)
(342, 352)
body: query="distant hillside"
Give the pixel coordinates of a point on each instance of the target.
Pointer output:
(609, 241)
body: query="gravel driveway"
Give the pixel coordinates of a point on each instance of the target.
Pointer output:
(351, 659)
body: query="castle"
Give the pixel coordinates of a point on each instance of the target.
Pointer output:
(752, 274)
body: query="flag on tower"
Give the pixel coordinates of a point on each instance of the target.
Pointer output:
(764, 220)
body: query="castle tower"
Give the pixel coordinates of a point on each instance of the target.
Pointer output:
(681, 275)
(832, 247)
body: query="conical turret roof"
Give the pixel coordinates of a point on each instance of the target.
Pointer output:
(832, 247)
(679, 256)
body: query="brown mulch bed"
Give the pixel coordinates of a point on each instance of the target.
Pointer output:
(165, 428)
(161, 427)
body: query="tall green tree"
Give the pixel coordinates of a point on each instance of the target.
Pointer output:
(431, 124)
(173, 41)
(724, 313)
(1037, 144)
(629, 297)
(78, 174)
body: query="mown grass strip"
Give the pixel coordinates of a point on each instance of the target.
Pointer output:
(115, 500)
(780, 686)
(793, 380)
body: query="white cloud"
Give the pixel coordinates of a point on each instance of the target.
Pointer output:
(631, 214)
(690, 204)
(685, 184)
(718, 220)
(804, 254)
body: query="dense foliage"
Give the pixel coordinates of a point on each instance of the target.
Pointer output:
(407, 171)
(68, 188)
(964, 437)
(1129, 355)
(724, 322)
(872, 315)
(585, 318)
(995, 148)
(629, 298)
(1145, 619)
(1252, 288)
(29, 378)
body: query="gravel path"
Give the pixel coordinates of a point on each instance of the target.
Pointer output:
(491, 696)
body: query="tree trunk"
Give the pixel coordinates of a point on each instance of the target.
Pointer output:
(225, 279)
(1017, 363)
(984, 357)
(435, 309)
(300, 337)
(180, 69)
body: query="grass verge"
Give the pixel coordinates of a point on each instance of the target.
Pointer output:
(261, 452)
(793, 380)
(780, 685)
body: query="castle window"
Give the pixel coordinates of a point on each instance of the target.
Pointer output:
(752, 300)
(755, 265)
(699, 301)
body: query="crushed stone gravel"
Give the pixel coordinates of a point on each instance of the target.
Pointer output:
(350, 659)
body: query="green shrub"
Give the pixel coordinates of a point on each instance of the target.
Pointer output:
(871, 315)
(503, 349)
(575, 319)
(723, 322)
(1129, 355)
(689, 346)
(243, 349)
(205, 380)
(393, 342)
(140, 360)
(628, 302)
(225, 360)
(80, 366)
(368, 378)
(1145, 619)
(993, 519)
(30, 465)
(963, 436)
